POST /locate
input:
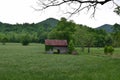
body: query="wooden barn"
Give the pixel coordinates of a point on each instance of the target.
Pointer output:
(56, 46)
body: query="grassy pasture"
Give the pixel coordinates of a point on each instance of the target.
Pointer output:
(19, 62)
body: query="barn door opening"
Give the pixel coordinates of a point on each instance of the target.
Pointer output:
(58, 51)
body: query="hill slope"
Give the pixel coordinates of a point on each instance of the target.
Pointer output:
(49, 22)
(45, 25)
(36, 31)
(106, 27)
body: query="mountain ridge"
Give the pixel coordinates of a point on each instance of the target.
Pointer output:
(106, 27)
(51, 23)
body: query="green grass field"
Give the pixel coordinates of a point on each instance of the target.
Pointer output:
(19, 62)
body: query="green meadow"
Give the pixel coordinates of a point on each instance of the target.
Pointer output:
(30, 62)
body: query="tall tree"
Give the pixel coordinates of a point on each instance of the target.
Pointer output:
(80, 37)
(116, 35)
(63, 30)
(3, 39)
(83, 37)
(101, 38)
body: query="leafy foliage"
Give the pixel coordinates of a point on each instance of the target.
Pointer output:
(25, 40)
(3, 40)
(116, 35)
(108, 50)
(71, 46)
(81, 35)
(84, 37)
(37, 32)
(63, 30)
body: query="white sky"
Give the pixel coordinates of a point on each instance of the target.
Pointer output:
(20, 11)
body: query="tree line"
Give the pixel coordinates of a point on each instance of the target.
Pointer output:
(84, 36)
(35, 32)
(81, 35)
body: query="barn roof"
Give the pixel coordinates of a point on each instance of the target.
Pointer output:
(56, 42)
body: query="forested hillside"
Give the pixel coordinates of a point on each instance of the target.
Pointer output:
(36, 32)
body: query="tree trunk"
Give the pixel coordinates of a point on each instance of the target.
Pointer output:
(88, 49)
(82, 48)
(3, 43)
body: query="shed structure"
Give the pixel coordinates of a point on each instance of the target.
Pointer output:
(56, 46)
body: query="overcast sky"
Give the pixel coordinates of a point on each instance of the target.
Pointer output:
(20, 11)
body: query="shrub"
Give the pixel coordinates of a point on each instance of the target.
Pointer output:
(108, 50)
(4, 40)
(71, 47)
(25, 40)
(105, 50)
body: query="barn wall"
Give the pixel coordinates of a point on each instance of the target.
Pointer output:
(61, 49)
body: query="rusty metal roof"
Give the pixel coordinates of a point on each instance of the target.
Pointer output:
(56, 42)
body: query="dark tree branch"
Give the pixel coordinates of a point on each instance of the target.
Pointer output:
(117, 10)
(83, 4)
